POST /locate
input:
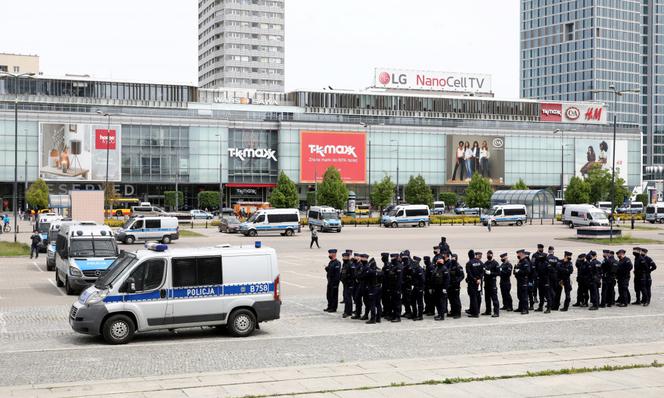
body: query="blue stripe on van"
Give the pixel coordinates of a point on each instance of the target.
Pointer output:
(197, 292)
(85, 264)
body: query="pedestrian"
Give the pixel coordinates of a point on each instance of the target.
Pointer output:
(386, 294)
(35, 240)
(537, 260)
(650, 266)
(454, 292)
(314, 237)
(491, 272)
(489, 221)
(5, 222)
(595, 280)
(333, 271)
(417, 293)
(440, 283)
(522, 272)
(474, 274)
(609, 275)
(565, 270)
(348, 283)
(429, 266)
(506, 283)
(623, 275)
(443, 246)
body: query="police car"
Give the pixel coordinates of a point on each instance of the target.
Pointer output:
(163, 288)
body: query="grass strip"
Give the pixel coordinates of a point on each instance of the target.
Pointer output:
(187, 233)
(11, 249)
(458, 380)
(625, 239)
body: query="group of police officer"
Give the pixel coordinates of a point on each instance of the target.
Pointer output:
(402, 283)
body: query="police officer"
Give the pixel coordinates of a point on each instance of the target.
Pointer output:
(359, 286)
(582, 278)
(537, 260)
(407, 286)
(522, 272)
(553, 261)
(491, 272)
(543, 264)
(443, 246)
(364, 260)
(638, 274)
(385, 290)
(454, 292)
(609, 271)
(565, 270)
(416, 299)
(394, 282)
(649, 267)
(474, 276)
(333, 271)
(348, 282)
(441, 282)
(623, 274)
(371, 283)
(429, 265)
(506, 283)
(595, 280)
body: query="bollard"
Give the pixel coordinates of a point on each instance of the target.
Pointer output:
(541, 221)
(205, 224)
(632, 222)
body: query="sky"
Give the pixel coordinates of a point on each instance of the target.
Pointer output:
(334, 43)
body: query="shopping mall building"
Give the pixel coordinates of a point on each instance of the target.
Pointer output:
(157, 134)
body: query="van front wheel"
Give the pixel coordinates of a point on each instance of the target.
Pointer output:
(129, 240)
(118, 329)
(58, 281)
(421, 224)
(166, 240)
(394, 225)
(241, 323)
(518, 223)
(289, 232)
(252, 233)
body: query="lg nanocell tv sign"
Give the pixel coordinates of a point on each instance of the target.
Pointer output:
(431, 81)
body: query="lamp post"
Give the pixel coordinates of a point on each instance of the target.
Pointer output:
(25, 179)
(562, 161)
(616, 93)
(221, 186)
(108, 146)
(16, 76)
(397, 141)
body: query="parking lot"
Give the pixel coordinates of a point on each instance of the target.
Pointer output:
(39, 346)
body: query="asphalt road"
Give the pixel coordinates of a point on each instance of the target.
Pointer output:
(37, 345)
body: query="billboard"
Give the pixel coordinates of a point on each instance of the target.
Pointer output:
(569, 112)
(469, 154)
(77, 152)
(551, 112)
(589, 152)
(344, 150)
(431, 81)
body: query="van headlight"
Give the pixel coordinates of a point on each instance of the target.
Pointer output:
(96, 297)
(73, 271)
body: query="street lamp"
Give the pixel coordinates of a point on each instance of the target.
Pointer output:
(616, 93)
(108, 146)
(221, 186)
(16, 76)
(562, 161)
(397, 141)
(367, 127)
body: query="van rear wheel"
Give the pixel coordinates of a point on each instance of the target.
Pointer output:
(571, 225)
(118, 329)
(518, 223)
(289, 232)
(166, 240)
(68, 288)
(241, 323)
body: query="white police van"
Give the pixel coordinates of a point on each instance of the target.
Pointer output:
(163, 288)
(44, 221)
(506, 214)
(285, 221)
(414, 215)
(53, 232)
(655, 213)
(83, 254)
(324, 218)
(163, 229)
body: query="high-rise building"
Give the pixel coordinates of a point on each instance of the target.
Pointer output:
(571, 47)
(241, 44)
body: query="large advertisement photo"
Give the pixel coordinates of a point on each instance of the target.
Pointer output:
(344, 150)
(469, 154)
(590, 152)
(78, 152)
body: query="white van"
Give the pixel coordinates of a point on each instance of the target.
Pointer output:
(163, 229)
(438, 207)
(414, 215)
(324, 218)
(506, 214)
(162, 288)
(146, 209)
(655, 213)
(631, 208)
(44, 221)
(604, 206)
(285, 221)
(83, 254)
(585, 215)
(53, 232)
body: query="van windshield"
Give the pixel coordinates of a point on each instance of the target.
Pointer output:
(329, 216)
(44, 226)
(115, 270)
(53, 235)
(392, 213)
(93, 248)
(127, 223)
(253, 217)
(597, 215)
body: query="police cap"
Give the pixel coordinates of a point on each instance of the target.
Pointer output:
(332, 251)
(364, 255)
(611, 253)
(520, 251)
(349, 251)
(592, 253)
(644, 250)
(540, 246)
(489, 252)
(345, 254)
(417, 258)
(443, 239)
(405, 253)
(503, 255)
(606, 251)
(394, 255)
(551, 248)
(436, 248)
(568, 254)
(427, 258)
(581, 256)
(384, 254)
(621, 251)
(636, 249)
(527, 253)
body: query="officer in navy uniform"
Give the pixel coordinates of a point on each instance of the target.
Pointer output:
(454, 292)
(543, 264)
(384, 294)
(552, 264)
(491, 272)
(429, 265)
(333, 271)
(407, 286)
(638, 274)
(582, 280)
(348, 281)
(474, 276)
(522, 272)
(443, 246)
(441, 282)
(371, 276)
(595, 280)
(394, 281)
(565, 270)
(417, 294)
(364, 260)
(506, 283)
(650, 266)
(609, 275)
(359, 286)
(537, 261)
(623, 275)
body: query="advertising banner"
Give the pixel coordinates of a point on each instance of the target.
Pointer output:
(570, 112)
(431, 81)
(589, 152)
(469, 154)
(78, 152)
(551, 112)
(344, 150)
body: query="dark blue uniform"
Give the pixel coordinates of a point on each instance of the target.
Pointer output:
(393, 281)
(371, 276)
(595, 281)
(407, 286)
(522, 271)
(537, 260)
(474, 276)
(440, 281)
(360, 288)
(417, 294)
(506, 284)
(639, 267)
(582, 281)
(454, 292)
(565, 270)
(491, 272)
(609, 271)
(623, 274)
(348, 281)
(333, 271)
(649, 267)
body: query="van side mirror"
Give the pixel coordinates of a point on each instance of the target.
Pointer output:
(130, 285)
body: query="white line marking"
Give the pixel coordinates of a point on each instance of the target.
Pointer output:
(56, 287)
(3, 323)
(286, 283)
(38, 267)
(306, 275)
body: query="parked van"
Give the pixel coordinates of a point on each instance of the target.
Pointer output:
(83, 254)
(402, 215)
(146, 209)
(655, 213)
(585, 215)
(506, 214)
(324, 218)
(53, 232)
(162, 288)
(163, 229)
(285, 221)
(631, 208)
(560, 203)
(44, 221)
(438, 207)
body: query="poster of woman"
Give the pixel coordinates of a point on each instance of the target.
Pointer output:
(470, 154)
(591, 153)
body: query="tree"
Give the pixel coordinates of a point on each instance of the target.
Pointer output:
(169, 199)
(208, 199)
(382, 193)
(110, 194)
(332, 191)
(599, 181)
(450, 198)
(622, 193)
(417, 192)
(284, 195)
(520, 185)
(479, 191)
(37, 195)
(578, 191)
(643, 198)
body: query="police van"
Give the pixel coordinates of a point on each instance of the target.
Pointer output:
(506, 214)
(324, 218)
(163, 288)
(655, 213)
(284, 221)
(44, 221)
(163, 229)
(83, 254)
(53, 231)
(402, 215)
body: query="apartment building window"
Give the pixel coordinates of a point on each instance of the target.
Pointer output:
(17, 69)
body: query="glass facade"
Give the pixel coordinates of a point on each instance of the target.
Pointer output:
(250, 168)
